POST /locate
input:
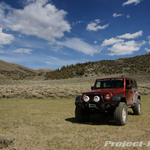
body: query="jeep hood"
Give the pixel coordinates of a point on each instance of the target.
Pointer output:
(105, 91)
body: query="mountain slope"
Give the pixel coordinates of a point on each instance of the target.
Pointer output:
(137, 64)
(14, 71)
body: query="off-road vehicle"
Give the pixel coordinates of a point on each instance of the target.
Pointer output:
(109, 96)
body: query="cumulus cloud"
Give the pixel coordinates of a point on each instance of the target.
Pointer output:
(80, 46)
(121, 47)
(124, 48)
(22, 50)
(131, 1)
(93, 26)
(117, 15)
(111, 41)
(5, 38)
(131, 36)
(38, 18)
(146, 49)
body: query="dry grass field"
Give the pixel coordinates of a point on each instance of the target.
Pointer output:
(39, 115)
(64, 88)
(50, 124)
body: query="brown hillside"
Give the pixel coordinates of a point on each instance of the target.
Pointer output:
(43, 70)
(6, 66)
(14, 71)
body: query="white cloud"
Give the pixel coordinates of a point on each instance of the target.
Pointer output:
(131, 36)
(120, 47)
(38, 18)
(2, 51)
(23, 50)
(128, 16)
(111, 41)
(95, 42)
(125, 48)
(117, 15)
(77, 22)
(80, 46)
(97, 20)
(93, 26)
(5, 38)
(146, 49)
(149, 39)
(131, 1)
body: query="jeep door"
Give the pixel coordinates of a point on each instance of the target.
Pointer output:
(130, 92)
(133, 91)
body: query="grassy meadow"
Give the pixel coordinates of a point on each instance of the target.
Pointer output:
(50, 124)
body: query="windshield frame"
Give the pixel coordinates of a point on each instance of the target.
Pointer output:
(109, 83)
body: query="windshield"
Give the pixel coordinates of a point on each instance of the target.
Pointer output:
(110, 83)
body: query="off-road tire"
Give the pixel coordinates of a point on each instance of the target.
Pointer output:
(137, 109)
(81, 114)
(121, 114)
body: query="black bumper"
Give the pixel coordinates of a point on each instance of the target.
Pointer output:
(99, 107)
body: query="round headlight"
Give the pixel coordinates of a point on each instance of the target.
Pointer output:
(86, 98)
(96, 98)
(108, 96)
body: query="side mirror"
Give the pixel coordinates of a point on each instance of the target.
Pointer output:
(128, 87)
(92, 87)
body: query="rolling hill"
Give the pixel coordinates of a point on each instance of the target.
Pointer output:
(14, 71)
(131, 65)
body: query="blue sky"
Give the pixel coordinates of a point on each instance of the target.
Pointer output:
(54, 33)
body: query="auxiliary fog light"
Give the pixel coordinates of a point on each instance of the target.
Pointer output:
(96, 98)
(86, 98)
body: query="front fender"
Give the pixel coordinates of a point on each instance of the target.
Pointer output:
(118, 98)
(78, 100)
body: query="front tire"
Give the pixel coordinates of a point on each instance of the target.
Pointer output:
(81, 114)
(137, 109)
(121, 114)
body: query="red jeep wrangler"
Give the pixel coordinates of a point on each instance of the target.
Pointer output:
(109, 96)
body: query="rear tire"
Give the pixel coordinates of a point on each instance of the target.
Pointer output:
(81, 114)
(137, 109)
(121, 114)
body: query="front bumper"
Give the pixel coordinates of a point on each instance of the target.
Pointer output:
(99, 107)
(96, 106)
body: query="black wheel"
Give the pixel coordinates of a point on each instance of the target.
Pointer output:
(81, 114)
(137, 109)
(121, 114)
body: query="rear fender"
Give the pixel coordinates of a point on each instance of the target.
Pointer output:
(137, 96)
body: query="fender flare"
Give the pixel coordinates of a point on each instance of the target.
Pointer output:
(119, 98)
(137, 96)
(78, 99)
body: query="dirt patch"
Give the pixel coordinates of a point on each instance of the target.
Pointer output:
(5, 142)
